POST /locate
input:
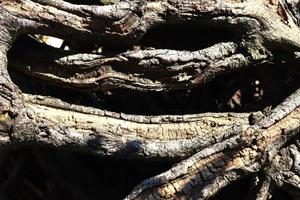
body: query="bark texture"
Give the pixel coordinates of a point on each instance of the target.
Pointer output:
(214, 149)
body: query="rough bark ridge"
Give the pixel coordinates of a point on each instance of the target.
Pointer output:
(218, 148)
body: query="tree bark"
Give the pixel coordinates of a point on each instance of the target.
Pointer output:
(214, 149)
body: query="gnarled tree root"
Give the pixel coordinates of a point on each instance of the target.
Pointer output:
(219, 148)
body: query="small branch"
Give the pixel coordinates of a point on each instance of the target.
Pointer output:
(200, 176)
(262, 189)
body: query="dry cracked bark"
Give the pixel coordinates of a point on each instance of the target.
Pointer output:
(218, 148)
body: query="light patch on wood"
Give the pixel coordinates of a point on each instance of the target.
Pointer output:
(156, 7)
(134, 126)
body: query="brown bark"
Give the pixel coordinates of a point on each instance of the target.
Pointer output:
(218, 148)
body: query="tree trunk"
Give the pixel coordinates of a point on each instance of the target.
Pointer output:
(110, 53)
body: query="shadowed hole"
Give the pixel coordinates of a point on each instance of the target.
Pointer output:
(187, 36)
(170, 36)
(51, 174)
(243, 91)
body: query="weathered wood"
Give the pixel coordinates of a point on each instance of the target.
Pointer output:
(226, 146)
(211, 169)
(148, 70)
(108, 133)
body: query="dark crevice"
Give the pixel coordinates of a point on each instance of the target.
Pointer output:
(279, 194)
(52, 174)
(187, 36)
(242, 190)
(237, 190)
(247, 90)
(169, 36)
(84, 2)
